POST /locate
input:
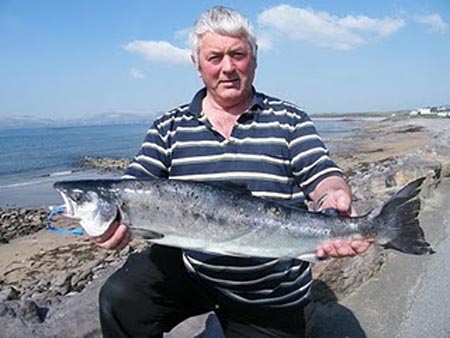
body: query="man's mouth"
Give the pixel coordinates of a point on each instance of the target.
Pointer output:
(229, 82)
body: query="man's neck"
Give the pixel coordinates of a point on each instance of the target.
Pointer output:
(222, 116)
(233, 108)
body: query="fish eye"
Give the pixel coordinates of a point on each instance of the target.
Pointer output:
(77, 196)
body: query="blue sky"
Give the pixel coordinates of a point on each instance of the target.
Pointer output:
(77, 58)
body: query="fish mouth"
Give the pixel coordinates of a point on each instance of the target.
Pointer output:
(69, 207)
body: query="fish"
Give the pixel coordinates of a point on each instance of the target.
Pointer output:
(230, 221)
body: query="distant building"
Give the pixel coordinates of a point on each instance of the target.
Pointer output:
(431, 111)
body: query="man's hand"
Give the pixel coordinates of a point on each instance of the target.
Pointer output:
(334, 193)
(339, 248)
(115, 238)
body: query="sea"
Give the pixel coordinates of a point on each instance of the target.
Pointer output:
(32, 159)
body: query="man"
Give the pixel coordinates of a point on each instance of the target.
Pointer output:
(229, 132)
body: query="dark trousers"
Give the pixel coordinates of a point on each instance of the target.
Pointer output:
(152, 293)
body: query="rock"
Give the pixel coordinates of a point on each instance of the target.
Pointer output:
(26, 312)
(30, 312)
(411, 170)
(203, 326)
(104, 164)
(343, 276)
(16, 222)
(10, 293)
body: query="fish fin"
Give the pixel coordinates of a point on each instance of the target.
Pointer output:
(236, 187)
(398, 223)
(309, 257)
(145, 233)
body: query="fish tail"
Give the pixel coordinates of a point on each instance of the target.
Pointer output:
(398, 224)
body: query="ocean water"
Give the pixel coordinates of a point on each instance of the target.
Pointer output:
(30, 154)
(31, 159)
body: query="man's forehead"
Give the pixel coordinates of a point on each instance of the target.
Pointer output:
(214, 41)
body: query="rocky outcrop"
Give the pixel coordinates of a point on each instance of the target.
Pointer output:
(373, 182)
(104, 163)
(17, 222)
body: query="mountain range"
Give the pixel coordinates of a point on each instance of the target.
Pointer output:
(28, 121)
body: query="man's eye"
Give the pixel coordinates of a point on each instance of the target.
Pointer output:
(214, 59)
(239, 55)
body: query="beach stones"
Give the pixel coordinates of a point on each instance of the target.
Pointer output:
(16, 222)
(104, 163)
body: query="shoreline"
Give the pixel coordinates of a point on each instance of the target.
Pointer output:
(35, 190)
(39, 192)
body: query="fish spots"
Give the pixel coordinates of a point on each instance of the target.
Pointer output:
(210, 218)
(222, 220)
(193, 195)
(197, 216)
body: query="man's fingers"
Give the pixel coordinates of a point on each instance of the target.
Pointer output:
(343, 202)
(329, 249)
(108, 233)
(340, 248)
(360, 246)
(124, 242)
(338, 200)
(320, 253)
(118, 238)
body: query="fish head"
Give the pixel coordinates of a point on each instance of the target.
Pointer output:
(94, 203)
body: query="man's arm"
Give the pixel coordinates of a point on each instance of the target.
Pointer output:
(333, 192)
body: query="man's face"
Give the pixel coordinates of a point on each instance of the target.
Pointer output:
(227, 67)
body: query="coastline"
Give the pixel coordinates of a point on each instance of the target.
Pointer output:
(390, 152)
(39, 193)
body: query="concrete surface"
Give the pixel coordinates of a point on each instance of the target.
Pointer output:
(410, 297)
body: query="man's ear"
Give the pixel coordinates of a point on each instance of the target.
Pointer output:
(196, 64)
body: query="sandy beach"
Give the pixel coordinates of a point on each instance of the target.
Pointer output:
(388, 154)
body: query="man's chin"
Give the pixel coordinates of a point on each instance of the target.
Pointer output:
(231, 92)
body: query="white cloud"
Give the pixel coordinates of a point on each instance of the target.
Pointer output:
(159, 51)
(434, 21)
(182, 35)
(383, 27)
(137, 74)
(324, 29)
(265, 41)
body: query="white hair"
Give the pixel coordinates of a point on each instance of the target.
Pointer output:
(224, 21)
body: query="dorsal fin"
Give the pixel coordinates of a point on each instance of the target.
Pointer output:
(236, 187)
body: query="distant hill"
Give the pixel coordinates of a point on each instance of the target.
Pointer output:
(28, 121)
(361, 114)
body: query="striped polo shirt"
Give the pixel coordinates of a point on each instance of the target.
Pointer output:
(275, 151)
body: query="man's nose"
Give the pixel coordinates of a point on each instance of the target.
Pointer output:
(227, 64)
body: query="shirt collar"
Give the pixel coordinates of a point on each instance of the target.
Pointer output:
(195, 107)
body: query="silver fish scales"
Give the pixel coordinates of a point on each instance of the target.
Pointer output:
(208, 218)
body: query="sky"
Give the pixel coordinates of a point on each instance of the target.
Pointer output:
(70, 59)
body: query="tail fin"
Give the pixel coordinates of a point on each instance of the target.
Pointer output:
(398, 222)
